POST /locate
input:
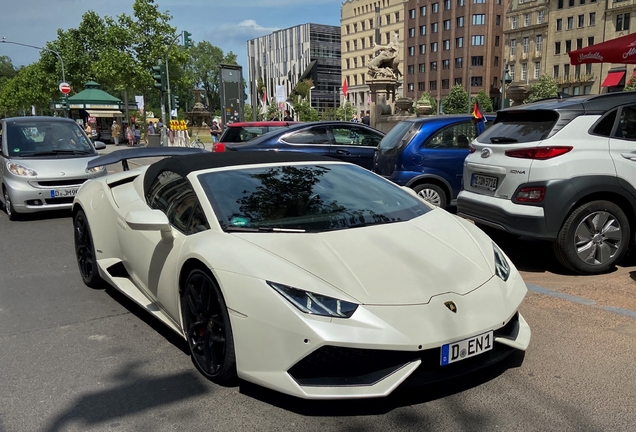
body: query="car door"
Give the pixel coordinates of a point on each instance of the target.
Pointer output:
(314, 139)
(623, 142)
(354, 143)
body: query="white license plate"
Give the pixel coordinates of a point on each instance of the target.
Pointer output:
(62, 193)
(466, 348)
(483, 182)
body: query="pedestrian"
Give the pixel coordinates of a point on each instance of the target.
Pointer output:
(273, 116)
(137, 132)
(151, 129)
(367, 118)
(89, 130)
(215, 131)
(355, 119)
(114, 132)
(287, 116)
(130, 136)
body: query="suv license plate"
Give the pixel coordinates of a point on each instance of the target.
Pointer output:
(61, 193)
(484, 182)
(466, 348)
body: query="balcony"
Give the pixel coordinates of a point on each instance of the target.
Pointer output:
(615, 4)
(537, 54)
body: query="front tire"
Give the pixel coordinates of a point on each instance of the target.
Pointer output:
(8, 206)
(206, 323)
(432, 194)
(593, 238)
(85, 252)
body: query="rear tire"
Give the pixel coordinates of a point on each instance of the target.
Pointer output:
(8, 206)
(432, 194)
(85, 252)
(593, 238)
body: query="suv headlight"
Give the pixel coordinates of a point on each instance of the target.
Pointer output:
(315, 304)
(95, 169)
(19, 170)
(502, 268)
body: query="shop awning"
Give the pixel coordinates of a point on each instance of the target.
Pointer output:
(613, 78)
(105, 113)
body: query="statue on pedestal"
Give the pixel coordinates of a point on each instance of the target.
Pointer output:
(385, 64)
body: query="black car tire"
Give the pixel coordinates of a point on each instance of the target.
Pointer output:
(565, 247)
(428, 191)
(8, 206)
(85, 252)
(206, 322)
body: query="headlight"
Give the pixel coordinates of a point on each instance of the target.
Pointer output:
(20, 170)
(502, 268)
(315, 304)
(95, 169)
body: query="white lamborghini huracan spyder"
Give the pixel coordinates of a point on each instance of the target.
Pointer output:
(301, 273)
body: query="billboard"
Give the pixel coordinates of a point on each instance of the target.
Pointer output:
(232, 93)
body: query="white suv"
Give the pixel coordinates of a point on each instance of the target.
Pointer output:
(562, 170)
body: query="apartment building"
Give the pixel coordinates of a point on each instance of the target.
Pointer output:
(620, 20)
(363, 24)
(451, 42)
(287, 56)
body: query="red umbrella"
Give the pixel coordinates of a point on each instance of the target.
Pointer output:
(619, 50)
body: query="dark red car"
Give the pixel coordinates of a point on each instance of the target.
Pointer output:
(241, 132)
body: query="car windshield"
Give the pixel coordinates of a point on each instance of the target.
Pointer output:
(47, 138)
(398, 137)
(246, 133)
(306, 198)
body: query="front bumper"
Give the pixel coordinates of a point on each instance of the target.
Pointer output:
(376, 350)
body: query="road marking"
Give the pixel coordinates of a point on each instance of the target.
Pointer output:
(581, 300)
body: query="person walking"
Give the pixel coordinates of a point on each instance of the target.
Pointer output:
(215, 131)
(367, 118)
(137, 133)
(89, 131)
(114, 132)
(130, 136)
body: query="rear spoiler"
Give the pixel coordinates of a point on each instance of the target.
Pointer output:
(143, 152)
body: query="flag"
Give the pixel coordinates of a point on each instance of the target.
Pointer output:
(344, 88)
(477, 115)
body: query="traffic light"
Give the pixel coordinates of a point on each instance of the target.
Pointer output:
(175, 102)
(187, 42)
(159, 75)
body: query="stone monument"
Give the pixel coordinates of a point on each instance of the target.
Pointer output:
(384, 74)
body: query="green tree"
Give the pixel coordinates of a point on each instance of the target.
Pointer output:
(545, 88)
(31, 86)
(457, 101)
(631, 85)
(305, 111)
(426, 97)
(204, 69)
(345, 112)
(485, 103)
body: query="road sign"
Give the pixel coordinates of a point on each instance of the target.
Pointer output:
(65, 88)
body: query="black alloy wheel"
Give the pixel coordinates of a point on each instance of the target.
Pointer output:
(207, 327)
(85, 251)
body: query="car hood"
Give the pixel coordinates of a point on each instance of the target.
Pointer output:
(74, 167)
(392, 264)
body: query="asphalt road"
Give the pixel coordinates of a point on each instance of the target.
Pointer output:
(77, 359)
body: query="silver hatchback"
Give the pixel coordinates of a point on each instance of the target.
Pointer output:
(43, 163)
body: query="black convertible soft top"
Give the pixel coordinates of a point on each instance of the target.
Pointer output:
(184, 165)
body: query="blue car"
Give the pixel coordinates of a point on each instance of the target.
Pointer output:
(347, 141)
(427, 154)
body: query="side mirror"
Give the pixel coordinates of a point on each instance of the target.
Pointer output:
(150, 220)
(99, 145)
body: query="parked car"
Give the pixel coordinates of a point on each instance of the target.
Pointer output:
(427, 154)
(241, 132)
(561, 170)
(43, 163)
(301, 273)
(347, 141)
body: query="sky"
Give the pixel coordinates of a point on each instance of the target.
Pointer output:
(227, 24)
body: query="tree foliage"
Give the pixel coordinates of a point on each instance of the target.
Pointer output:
(631, 85)
(204, 69)
(457, 101)
(545, 88)
(305, 111)
(485, 103)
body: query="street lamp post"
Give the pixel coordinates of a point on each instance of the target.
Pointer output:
(4, 40)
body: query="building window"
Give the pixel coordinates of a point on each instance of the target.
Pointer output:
(433, 66)
(524, 71)
(537, 69)
(423, 10)
(587, 89)
(511, 72)
(397, 17)
(411, 87)
(458, 81)
(447, 25)
(411, 69)
(434, 27)
(622, 22)
(459, 42)
(420, 86)
(355, 28)
(566, 70)
(411, 32)
(348, 46)
(540, 15)
(411, 51)
(496, 40)
(581, 21)
(362, 26)
(496, 61)
(355, 62)
(479, 1)
(570, 23)
(579, 43)
(423, 49)
(588, 68)
(446, 45)
(571, 3)
(555, 71)
(525, 45)
(388, 19)
(526, 20)
(432, 85)
(568, 46)
(538, 44)
(498, 20)
(514, 22)
(577, 71)
(422, 30)
(433, 46)
(445, 64)
(458, 62)
(422, 67)
(559, 24)
(479, 19)
(387, 36)
(435, 7)
(370, 23)
(447, 4)
(476, 81)
(460, 3)
(560, 4)
(557, 48)
(348, 30)
(590, 41)
(362, 42)
(477, 60)
(460, 21)
(412, 13)
(592, 18)
(355, 45)
(348, 64)
(445, 84)
(513, 47)
(477, 40)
